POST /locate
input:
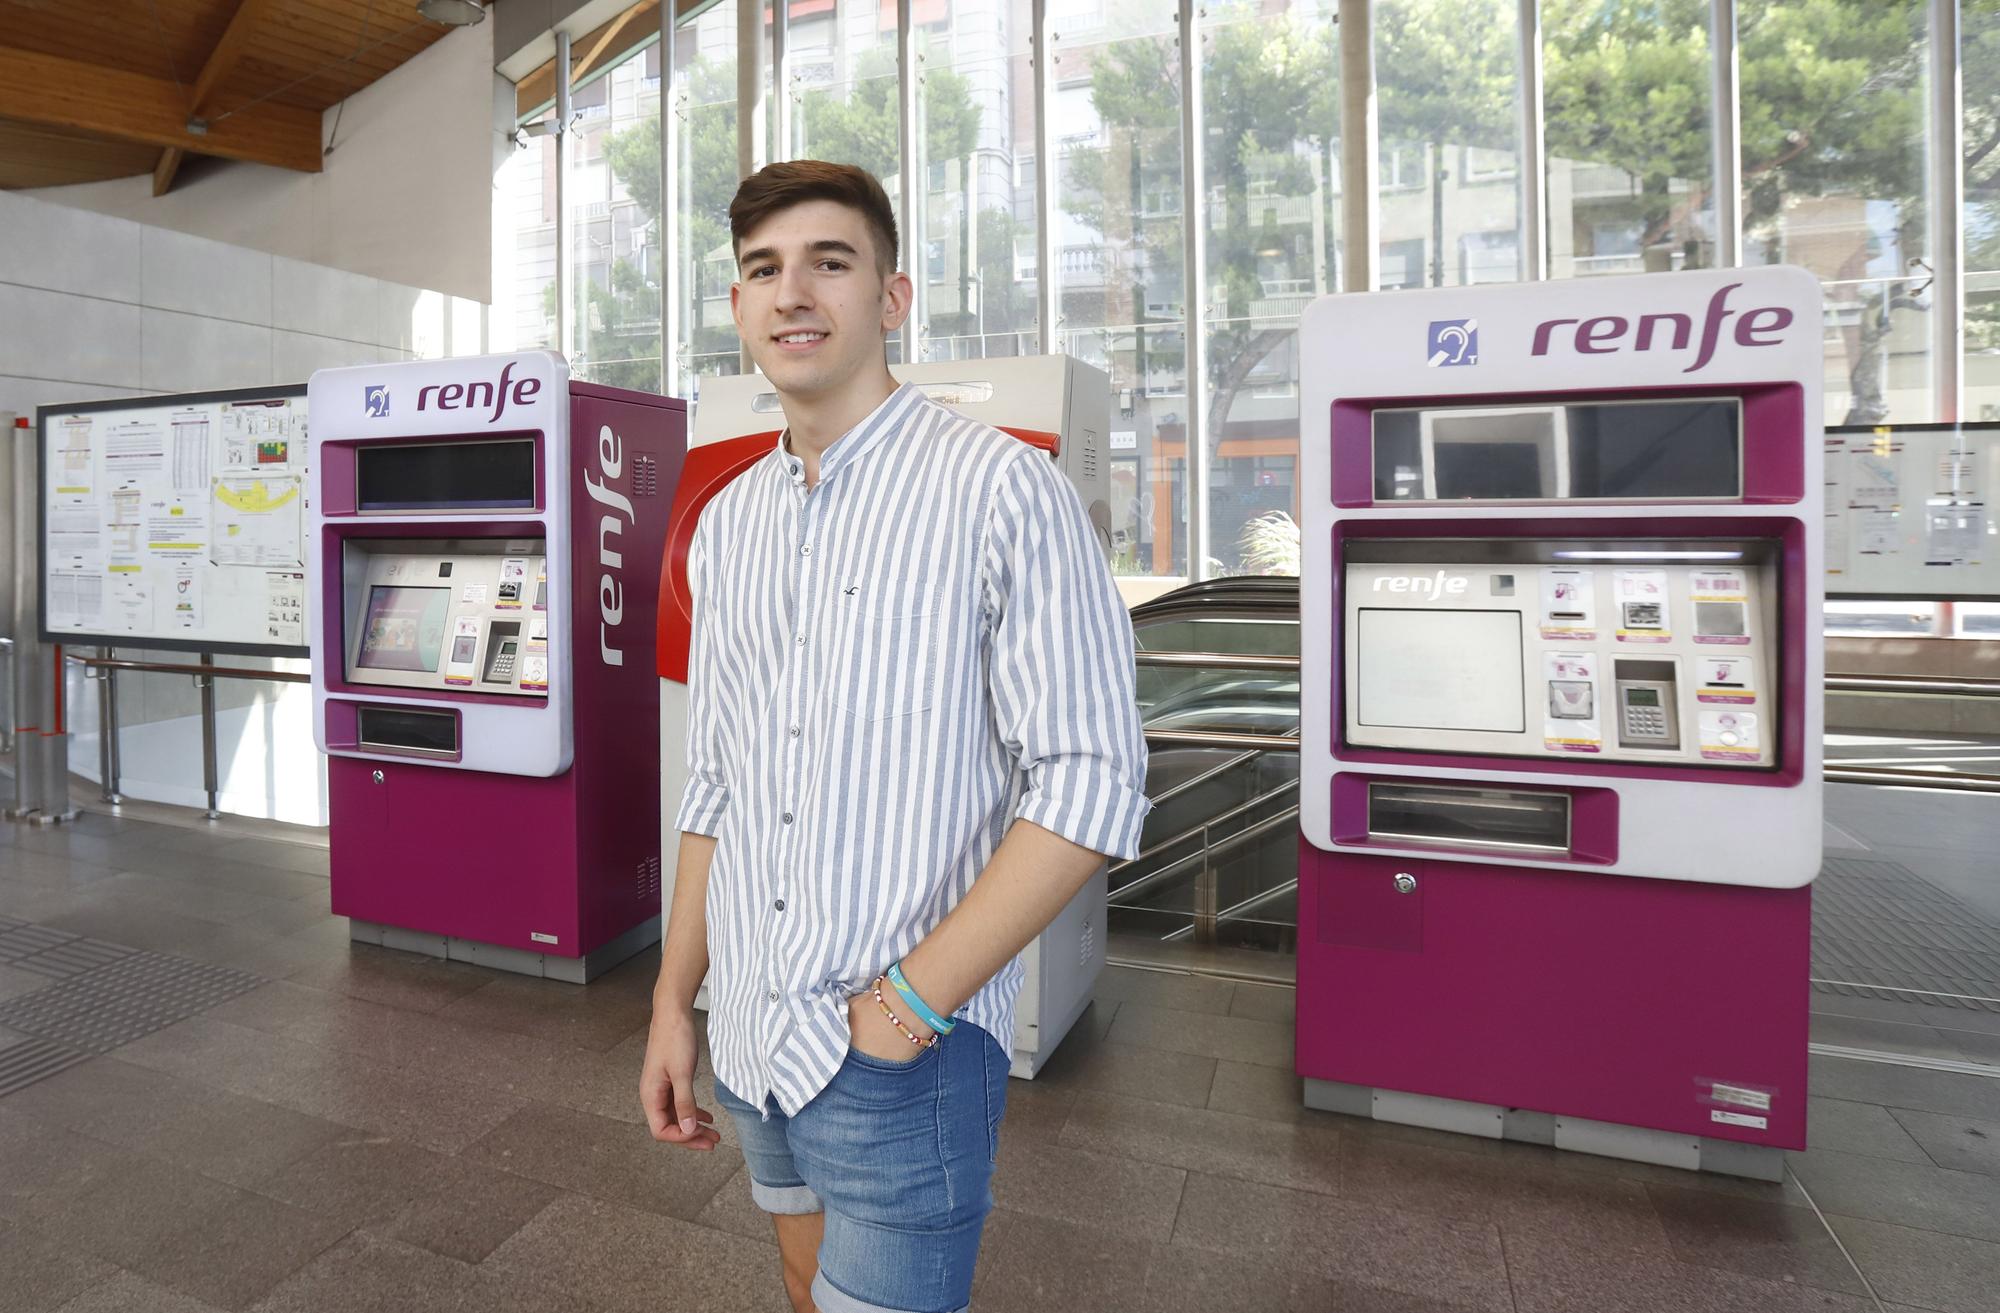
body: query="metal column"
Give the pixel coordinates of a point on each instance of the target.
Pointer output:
(1728, 159)
(909, 85)
(1534, 152)
(749, 117)
(108, 771)
(565, 235)
(1194, 228)
(211, 772)
(1947, 214)
(781, 89)
(1360, 149)
(671, 381)
(1048, 293)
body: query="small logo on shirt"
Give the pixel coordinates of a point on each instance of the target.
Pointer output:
(850, 590)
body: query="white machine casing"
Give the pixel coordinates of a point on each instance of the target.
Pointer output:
(1668, 828)
(517, 740)
(1053, 402)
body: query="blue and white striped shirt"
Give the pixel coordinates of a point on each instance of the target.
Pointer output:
(887, 670)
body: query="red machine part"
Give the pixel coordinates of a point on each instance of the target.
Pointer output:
(708, 470)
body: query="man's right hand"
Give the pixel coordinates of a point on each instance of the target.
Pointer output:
(666, 1083)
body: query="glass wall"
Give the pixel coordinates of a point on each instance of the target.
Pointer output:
(1449, 79)
(613, 198)
(1629, 132)
(1834, 151)
(1272, 115)
(1120, 255)
(704, 103)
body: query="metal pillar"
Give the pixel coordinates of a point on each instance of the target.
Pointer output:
(565, 236)
(1048, 292)
(108, 771)
(210, 771)
(1728, 158)
(749, 117)
(1194, 228)
(1534, 172)
(1947, 214)
(781, 88)
(1360, 149)
(670, 210)
(909, 87)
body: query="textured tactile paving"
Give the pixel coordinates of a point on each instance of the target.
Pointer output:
(1882, 931)
(26, 1061)
(24, 941)
(73, 958)
(123, 1000)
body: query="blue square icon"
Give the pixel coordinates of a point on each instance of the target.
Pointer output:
(1452, 342)
(375, 401)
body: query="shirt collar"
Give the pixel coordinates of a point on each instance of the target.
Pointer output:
(895, 410)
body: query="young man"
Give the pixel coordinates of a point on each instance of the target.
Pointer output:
(912, 737)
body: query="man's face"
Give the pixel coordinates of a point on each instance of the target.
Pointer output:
(810, 300)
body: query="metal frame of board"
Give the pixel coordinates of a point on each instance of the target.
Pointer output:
(1925, 595)
(147, 641)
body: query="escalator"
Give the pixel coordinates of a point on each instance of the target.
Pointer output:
(1215, 884)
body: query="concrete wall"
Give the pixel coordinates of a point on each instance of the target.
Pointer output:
(95, 307)
(406, 194)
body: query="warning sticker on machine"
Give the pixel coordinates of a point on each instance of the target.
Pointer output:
(1741, 1096)
(1740, 1119)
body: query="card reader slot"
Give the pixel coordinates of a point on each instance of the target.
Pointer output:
(408, 730)
(1512, 819)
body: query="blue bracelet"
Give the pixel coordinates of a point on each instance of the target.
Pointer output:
(925, 1013)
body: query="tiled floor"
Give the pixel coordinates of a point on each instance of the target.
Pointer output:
(368, 1130)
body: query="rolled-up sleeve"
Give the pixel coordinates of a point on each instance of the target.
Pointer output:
(1061, 669)
(706, 797)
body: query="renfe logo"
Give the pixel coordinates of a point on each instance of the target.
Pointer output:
(610, 591)
(478, 394)
(1606, 333)
(1442, 585)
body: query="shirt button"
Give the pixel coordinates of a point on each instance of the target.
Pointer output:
(800, 640)
(773, 996)
(806, 550)
(795, 731)
(780, 904)
(786, 818)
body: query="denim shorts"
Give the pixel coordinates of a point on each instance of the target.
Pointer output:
(899, 1156)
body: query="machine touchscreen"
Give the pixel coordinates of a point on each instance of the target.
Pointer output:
(404, 627)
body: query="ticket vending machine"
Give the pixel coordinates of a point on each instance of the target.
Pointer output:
(484, 536)
(1560, 786)
(1059, 405)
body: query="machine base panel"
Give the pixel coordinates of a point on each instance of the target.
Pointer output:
(1575, 1134)
(572, 970)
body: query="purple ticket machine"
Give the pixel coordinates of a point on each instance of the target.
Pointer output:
(485, 538)
(1560, 785)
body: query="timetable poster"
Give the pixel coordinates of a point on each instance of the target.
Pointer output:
(176, 521)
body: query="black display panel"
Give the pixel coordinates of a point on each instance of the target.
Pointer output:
(446, 476)
(1561, 451)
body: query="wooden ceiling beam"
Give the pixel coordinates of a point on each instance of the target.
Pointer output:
(221, 62)
(67, 93)
(601, 47)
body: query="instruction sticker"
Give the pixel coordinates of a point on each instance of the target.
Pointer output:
(535, 669)
(542, 584)
(1730, 736)
(464, 645)
(1743, 1119)
(1569, 606)
(1726, 681)
(1641, 599)
(1571, 723)
(1721, 608)
(513, 580)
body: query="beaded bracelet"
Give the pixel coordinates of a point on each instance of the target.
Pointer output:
(896, 1021)
(925, 1012)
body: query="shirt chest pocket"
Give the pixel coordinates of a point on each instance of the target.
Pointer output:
(890, 641)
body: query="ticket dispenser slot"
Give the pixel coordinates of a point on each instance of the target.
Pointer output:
(1536, 819)
(1648, 708)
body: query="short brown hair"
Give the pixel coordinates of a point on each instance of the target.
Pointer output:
(778, 187)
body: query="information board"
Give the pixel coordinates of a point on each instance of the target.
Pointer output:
(176, 522)
(1910, 511)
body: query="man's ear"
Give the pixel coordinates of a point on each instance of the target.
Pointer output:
(897, 294)
(736, 305)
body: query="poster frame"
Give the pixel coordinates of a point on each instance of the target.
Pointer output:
(1834, 594)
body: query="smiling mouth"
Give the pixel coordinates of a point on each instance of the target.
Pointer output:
(804, 337)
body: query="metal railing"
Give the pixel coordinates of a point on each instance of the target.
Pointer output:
(104, 669)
